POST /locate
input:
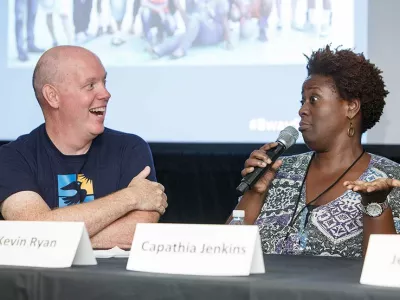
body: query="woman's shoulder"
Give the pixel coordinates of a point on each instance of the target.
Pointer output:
(385, 165)
(296, 161)
(294, 166)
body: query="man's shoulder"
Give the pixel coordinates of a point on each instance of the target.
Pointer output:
(25, 143)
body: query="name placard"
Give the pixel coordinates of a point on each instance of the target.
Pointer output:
(382, 261)
(213, 250)
(45, 244)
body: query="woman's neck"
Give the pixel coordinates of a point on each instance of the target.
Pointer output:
(340, 156)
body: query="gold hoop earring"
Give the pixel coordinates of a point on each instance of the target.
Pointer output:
(351, 131)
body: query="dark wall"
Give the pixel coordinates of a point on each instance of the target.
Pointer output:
(200, 187)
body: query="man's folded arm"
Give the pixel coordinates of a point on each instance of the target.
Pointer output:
(97, 215)
(120, 233)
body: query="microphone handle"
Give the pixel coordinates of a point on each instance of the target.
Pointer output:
(251, 179)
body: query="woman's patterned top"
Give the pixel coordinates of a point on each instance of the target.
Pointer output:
(333, 229)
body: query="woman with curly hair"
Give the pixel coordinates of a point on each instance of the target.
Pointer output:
(328, 201)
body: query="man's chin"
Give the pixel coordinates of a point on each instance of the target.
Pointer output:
(97, 131)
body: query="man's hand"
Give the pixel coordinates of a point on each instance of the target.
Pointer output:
(149, 195)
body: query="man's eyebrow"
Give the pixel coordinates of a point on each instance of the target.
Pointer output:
(92, 79)
(88, 80)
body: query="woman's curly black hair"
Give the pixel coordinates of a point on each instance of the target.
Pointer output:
(355, 77)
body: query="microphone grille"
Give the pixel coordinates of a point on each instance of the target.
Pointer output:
(288, 136)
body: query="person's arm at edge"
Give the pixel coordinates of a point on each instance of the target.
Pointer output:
(253, 200)
(379, 225)
(120, 233)
(251, 203)
(97, 215)
(376, 191)
(30, 206)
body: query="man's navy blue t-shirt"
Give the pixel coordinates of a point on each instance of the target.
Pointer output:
(33, 163)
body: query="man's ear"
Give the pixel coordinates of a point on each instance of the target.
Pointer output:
(50, 95)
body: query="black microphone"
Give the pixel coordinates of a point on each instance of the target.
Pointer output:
(287, 138)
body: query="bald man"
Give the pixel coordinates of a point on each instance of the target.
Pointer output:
(72, 168)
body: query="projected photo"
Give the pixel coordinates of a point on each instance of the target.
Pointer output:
(179, 32)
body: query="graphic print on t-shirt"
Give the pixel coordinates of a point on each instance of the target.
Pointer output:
(74, 189)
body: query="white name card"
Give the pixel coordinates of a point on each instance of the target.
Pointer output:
(382, 261)
(45, 244)
(214, 250)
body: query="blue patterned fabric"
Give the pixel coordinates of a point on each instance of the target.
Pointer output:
(334, 229)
